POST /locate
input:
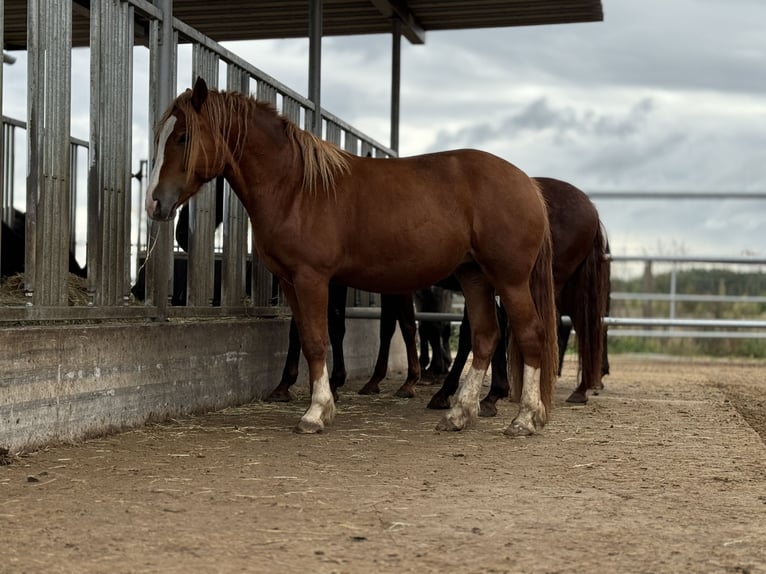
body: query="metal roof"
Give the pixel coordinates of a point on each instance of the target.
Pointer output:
(224, 20)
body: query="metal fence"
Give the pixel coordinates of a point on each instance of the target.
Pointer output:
(666, 319)
(52, 191)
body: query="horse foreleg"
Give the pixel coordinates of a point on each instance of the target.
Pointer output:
(307, 297)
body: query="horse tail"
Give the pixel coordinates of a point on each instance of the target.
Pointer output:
(591, 305)
(541, 286)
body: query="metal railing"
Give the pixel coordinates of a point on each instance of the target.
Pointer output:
(51, 195)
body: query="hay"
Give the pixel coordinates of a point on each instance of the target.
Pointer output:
(12, 290)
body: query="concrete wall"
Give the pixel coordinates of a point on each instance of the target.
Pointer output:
(65, 383)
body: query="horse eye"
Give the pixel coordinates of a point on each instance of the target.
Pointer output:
(182, 138)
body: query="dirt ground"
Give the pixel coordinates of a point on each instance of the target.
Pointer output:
(665, 471)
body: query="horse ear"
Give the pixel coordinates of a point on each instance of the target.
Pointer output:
(199, 93)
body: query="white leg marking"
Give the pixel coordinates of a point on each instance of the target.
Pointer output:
(322, 409)
(465, 405)
(154, 178)
(532, 415)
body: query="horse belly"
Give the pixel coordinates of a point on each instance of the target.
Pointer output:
(412, 267)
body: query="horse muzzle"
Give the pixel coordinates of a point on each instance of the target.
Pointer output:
(159, 211)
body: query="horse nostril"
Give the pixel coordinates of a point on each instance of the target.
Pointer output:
(152, 205)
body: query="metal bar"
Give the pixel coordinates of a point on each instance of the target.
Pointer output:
(681, 297)
(94, 158)
(162, 75)
(688, 259)
(233, 266)
(687, 334)
(202, 207)
(689, 195)
(315, 63)
(374, 313)
(396, 67)
(3, 140)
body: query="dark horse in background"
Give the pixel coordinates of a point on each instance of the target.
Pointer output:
(321, 215)
(581, 278)
(13, 242)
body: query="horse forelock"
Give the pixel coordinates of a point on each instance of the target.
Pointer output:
(225, 113)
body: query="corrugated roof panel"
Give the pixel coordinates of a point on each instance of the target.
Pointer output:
(250, 20)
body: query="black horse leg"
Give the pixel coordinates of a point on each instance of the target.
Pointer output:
(281, 394)
(336, 325)
(406, 317)
(440, 400)
(388, 314)
(499, 387)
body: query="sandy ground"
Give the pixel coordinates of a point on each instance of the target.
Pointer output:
(665, 471)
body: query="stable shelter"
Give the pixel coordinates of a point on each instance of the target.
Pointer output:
(85, 357)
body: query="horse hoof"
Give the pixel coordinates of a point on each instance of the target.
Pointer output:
(438, 402)
(369, 389)
(405, 393)
(279, 396)
(487, 409)
(447, 424)
(577, 398)
(516, 429)
(308, 427)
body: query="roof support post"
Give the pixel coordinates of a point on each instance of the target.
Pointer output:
(396, 72)
(315, 63)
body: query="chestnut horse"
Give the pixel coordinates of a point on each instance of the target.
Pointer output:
(320, 214)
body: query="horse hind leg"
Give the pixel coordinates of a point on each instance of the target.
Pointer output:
(526, 360)
(480, 303)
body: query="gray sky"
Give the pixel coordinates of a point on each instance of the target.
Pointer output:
(664, 95)
(660, 96)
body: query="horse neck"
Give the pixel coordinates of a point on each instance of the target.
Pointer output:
(265, 172)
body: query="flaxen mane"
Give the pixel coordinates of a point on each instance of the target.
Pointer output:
(229, 112)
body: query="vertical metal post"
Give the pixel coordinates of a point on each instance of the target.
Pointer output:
(396, 69)
(111, 36)
(202, 207)
(49, 33)
(2, 136)
(673, 289)
(315, 63)
(159, 253)
(233, 266)
(262, 281)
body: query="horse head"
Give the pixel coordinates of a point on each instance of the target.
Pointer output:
(187, 153)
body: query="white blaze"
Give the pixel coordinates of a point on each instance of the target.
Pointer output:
(154, 178)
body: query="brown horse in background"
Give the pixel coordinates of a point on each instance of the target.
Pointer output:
(320, 214)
